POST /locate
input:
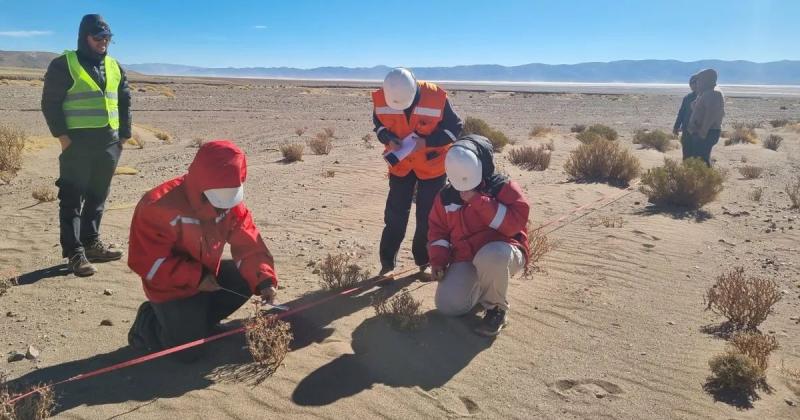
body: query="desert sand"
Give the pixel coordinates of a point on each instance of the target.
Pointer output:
(611, 328)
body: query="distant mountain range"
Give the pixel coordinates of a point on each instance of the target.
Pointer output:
(627, 71)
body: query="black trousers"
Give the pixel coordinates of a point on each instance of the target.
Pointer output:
(84, 180)
(700, 147)
(398, 209)
(168, 324)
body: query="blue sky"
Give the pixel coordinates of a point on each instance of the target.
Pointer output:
(301, 33)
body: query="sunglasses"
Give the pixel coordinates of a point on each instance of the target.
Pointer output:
(101, 38)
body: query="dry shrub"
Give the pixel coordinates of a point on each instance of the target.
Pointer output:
(772, 142)
(44, 194)
(136, 140)
(268, 340)
(12, 141)
(586, 137)
(480, 127)
(793, 192)
(403, 311)
(782, 122)
(756, 194)
(33, 407)
(330, 173)
(737, 372)
(367, 139)
(539, 131)
(538, 246)
(602, 161)
(168, 92)
(163, 136)
(530, 158)
(337, 273)
(551, 146)
(300, 131)
(755, 345)
(578, 128)
(690, 184)
(603, 131)
(751, 172)
(742, 134)
(657, 139)
(744, 301)
(321, 144)
(329, 131)
(292, 152)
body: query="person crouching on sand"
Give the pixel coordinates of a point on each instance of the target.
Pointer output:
(177, 236)
(477, 235)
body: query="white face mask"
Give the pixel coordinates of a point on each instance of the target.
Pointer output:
(225, 198)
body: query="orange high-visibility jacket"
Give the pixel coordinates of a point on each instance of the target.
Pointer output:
(428, 162)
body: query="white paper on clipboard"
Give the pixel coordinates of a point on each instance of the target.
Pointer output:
(407, 146)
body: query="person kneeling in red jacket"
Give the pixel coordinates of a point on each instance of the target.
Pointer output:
(178, 234)
(477, 237)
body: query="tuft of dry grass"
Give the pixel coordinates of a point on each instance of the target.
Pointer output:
(321, 144)
(163, 136)
(167, 91)
(337, 272)
(745, 301)
(539, 131)
(37, 406)
(782, 122)
(691, 184)
(772, 142)
(742, 134)
(292, 152)
(751, 172)
(603, 131)
(403, 311)
(538, 246)
(756, 194)
(755, 345)
(329, 131)
(300, 131)
(268, 340)
(736, 372)
(657, 139)
(330, 173)
(44, 194)
(530, 158)
(478, 126)
(603, 161)
(793, 192)
(136, 141)
(577, 128)
(587, 137)
(125, 170)
(12, 142)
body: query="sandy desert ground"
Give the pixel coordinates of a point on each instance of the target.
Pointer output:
(612, 328)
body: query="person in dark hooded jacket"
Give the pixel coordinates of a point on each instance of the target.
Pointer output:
(477, 235)
(682, 120)
(86, 103)
(178, 233)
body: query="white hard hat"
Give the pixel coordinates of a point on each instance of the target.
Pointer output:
(225, 198)
(464, 169)
(400, 88)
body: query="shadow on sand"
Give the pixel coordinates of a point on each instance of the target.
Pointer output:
(225, 360)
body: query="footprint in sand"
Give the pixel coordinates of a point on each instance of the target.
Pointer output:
(472, 406)
(582, 387)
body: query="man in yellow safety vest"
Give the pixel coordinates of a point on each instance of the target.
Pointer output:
(86, 103)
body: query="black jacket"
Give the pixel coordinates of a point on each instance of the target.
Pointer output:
(450, 122)
(57, 82)
(684, 113)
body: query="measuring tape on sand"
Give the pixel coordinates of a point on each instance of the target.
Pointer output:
(558, 222)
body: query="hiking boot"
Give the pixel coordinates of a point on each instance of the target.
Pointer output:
(424, 274)
(80, 266)
(493, 322)
(97, 251)
(142, 335)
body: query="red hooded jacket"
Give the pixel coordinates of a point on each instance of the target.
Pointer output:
(177, 235)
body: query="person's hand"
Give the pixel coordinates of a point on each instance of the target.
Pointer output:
(268, 294)
(466, 196)
(208, 283)
(437, 273)
(65, 141)
(675, 131)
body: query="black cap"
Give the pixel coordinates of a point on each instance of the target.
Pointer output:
(94, 25)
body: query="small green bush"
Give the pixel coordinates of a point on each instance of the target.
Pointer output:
(604, 131)
(690, 183)
(737, 372)
(587, 137)
(578, 128)
(603, 161)
(779, 123)
(478, 126)
(657, 139)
